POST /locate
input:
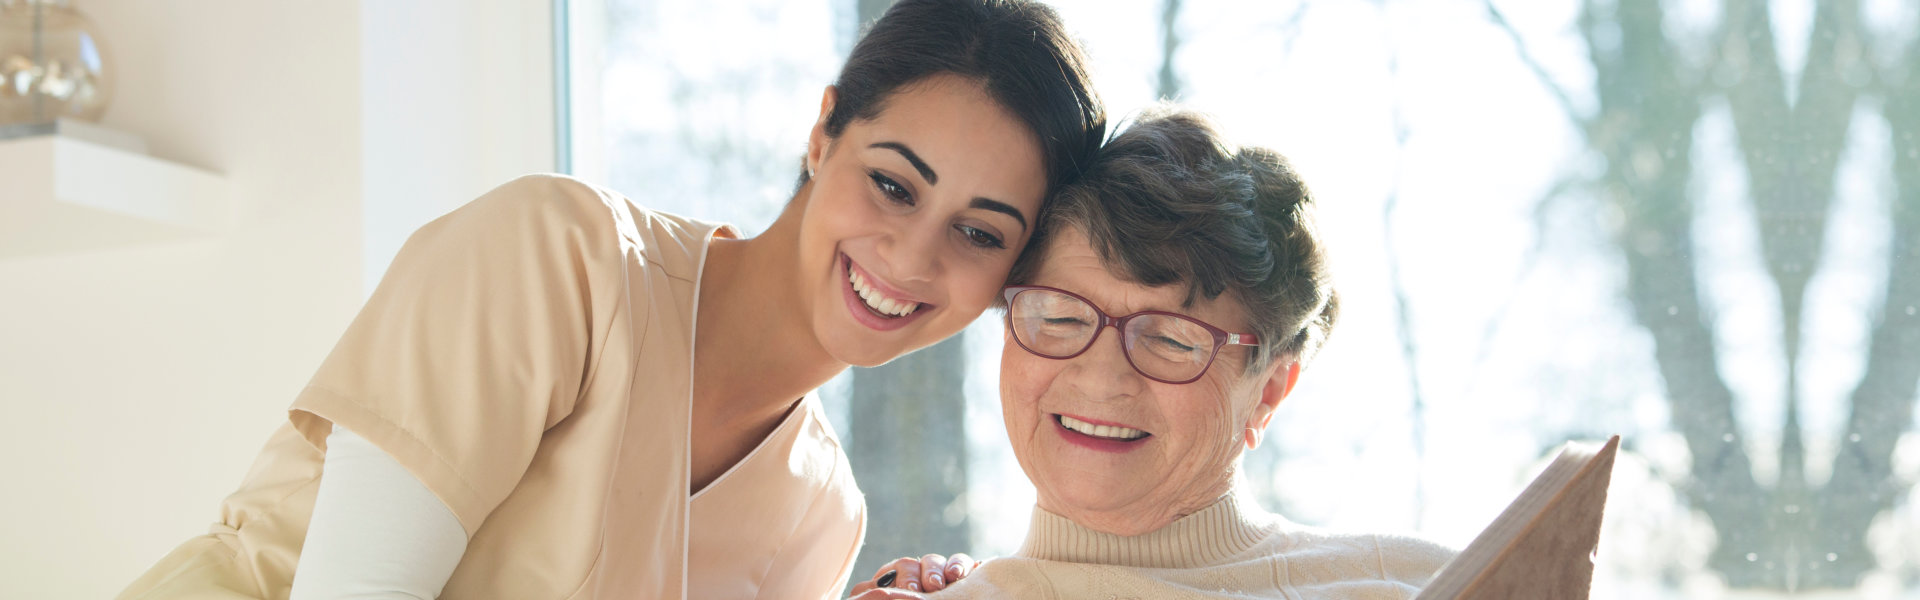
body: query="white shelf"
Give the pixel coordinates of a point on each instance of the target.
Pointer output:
(60, 193)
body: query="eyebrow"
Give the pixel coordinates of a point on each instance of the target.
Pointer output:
(934, 179)
(918, 165)
(999, 207)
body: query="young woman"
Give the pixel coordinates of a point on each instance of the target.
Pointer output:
(556, 393)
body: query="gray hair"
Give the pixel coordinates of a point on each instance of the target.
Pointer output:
(1168, 201)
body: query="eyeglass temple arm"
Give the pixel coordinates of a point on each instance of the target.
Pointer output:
(1242, 339)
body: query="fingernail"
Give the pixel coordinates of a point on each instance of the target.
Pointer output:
(937, 580)
(913, 585)
(885, 579)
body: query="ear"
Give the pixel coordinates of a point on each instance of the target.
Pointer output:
(818, 142)
(1279, 383)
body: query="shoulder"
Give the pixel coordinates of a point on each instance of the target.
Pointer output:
(550, 207)
(545, 199)
(1412, 552)
(1397, 558)
(1020, 577)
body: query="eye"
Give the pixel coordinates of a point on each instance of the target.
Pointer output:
(892, 189)
(1172, 344)
(980, 238)
(1062, 327)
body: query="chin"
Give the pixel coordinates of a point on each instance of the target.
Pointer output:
(861, 353)
(859, 348)
(868, 361)
(1089, 497)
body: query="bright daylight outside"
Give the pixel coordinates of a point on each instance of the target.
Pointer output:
(1694, 223)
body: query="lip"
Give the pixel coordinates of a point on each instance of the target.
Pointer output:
(858, 308)
(1093, 443)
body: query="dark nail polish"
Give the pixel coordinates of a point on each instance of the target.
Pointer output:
(886, 579)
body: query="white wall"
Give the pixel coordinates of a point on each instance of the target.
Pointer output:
(459, 99)
(139, 381)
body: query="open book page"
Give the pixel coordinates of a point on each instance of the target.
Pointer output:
(1542, 545)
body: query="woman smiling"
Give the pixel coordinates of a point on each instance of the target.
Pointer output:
(1179, 291)
(557, 393)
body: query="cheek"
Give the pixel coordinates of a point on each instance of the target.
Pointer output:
(1022, 380)
(1205, 413)
(976, 281)
(836, 208)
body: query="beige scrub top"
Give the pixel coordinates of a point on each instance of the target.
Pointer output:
(529, 357)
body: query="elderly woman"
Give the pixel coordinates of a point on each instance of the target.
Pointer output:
(1180, 290)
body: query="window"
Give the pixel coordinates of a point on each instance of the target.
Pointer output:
(1692, 223)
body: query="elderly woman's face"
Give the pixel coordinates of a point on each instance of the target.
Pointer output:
(1193, 433)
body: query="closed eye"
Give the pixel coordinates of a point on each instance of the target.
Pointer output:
(1172, 344)
(892, 189)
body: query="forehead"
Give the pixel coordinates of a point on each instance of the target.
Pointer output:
(1071, 263)
(954, 124)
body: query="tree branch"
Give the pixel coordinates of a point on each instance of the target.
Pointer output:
(1644, 129)
(1863, 484)
(1402, 303)
(1583, 124)
(1529, 260)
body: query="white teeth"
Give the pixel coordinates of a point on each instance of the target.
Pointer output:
(877, 301)
(1102, 431)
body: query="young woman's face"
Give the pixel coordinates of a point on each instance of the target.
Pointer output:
(913, 218)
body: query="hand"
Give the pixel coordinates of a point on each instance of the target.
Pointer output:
(888, 594)
(930, 573)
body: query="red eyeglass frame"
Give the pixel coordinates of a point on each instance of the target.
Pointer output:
(1221, 338)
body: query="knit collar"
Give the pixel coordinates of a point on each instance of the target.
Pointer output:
(1209, 537)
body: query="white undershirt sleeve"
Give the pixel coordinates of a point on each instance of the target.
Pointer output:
(376, 532)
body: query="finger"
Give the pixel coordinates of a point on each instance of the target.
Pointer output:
(907, 574)
(861, 587)
(959, 565)
(933, 577)
(888, 594)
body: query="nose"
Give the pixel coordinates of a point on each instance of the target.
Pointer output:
(913, 252)
(1102, 372)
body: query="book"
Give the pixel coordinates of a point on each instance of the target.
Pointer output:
(1542, 545)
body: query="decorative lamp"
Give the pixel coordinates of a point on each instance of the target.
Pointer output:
(52, 64)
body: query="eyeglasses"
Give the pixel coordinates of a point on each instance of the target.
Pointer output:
(1165, 347)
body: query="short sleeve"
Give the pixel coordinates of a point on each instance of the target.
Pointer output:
(479, 338)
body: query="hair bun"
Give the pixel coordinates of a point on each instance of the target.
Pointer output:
(1274, 178)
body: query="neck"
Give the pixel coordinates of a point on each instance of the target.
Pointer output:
(755, 352)
(1213, 535)
(1150, 512)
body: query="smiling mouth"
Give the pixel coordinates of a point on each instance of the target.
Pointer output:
(876, 300)
(1112, 433)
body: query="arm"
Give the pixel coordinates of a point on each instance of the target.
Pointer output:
(376, 532)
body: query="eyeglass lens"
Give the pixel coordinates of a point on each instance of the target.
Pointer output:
(1163, 347)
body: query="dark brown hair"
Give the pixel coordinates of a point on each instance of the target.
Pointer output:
(1016, 49)
(1168, 202)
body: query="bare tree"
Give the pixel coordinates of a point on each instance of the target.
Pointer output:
(1790, 535)
(1863, 485)
(1167, 85)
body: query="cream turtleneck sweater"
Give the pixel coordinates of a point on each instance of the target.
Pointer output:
(1231, 549)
